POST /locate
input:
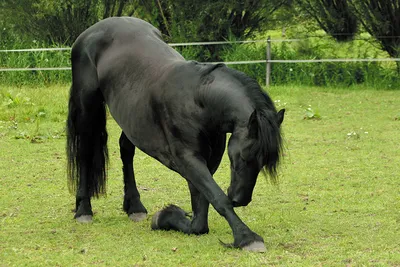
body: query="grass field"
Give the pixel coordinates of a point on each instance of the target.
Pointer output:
(337, 204)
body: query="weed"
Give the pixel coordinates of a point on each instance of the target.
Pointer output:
(11, 101)
(311, 114)
(353, 135)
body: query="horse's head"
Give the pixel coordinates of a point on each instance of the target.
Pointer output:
(251, 149)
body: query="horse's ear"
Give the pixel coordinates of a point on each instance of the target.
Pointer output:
(280, 115)
(253, 125)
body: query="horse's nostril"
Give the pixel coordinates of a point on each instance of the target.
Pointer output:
(241, 203)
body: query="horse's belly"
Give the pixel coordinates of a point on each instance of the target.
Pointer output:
(136, 122)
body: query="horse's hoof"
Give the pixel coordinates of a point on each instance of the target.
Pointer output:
(84, 219)
(256, 246)
(154, 220)
(137, 217)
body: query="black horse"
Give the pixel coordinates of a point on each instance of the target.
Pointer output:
(178, 112)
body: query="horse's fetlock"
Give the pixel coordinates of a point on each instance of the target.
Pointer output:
(83, 208)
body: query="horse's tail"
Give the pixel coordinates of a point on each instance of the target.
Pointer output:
(87, 152)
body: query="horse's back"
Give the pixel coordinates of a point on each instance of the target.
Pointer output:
(115, 29)
(118, 43)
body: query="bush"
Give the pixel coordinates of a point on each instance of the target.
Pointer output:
(40, 59)
(377, 74)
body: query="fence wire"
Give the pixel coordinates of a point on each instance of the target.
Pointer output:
(202, 44)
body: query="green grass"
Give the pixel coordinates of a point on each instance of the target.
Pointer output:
(337, 204)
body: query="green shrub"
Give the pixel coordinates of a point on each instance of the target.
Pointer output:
(374, 74)
(40, 59)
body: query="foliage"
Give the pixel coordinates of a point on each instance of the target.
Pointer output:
(57, 23)
(311, 114)
(377, 74)
(381, 19)
(206, 20)
(34, 60)
(334, 17)
(339, 18)
(62, 21)
(336, 205)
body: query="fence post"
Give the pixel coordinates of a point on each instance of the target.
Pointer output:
(268, 64)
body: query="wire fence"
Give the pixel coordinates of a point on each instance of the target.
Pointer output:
(267, 60)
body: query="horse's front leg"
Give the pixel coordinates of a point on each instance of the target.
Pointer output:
(243, 237)
(200, 205)
(197, 173)
(132, 204)
(176, 218)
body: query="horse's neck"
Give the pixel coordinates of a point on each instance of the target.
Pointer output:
(232, 107)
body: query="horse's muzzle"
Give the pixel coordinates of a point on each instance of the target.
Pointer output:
(238, 200)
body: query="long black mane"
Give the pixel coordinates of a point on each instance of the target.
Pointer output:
(269, 143)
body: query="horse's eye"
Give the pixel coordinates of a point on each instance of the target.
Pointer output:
(247, 161)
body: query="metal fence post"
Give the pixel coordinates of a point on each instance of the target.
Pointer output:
(268, 63)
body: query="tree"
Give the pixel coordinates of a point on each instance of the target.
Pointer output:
(206, 20)
(61, 21)
(333, 16)
(339, 18)
(381, 19)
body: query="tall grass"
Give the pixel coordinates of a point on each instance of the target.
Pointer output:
(373, 74)
(40, 59)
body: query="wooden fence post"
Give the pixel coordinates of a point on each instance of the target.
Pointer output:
(268, 64)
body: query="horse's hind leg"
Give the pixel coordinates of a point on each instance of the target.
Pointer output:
(132, 204)
(83, 211)
(91, 154)
(90, 157)
(86, 135)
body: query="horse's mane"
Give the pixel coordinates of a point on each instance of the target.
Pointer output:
(268, 147)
